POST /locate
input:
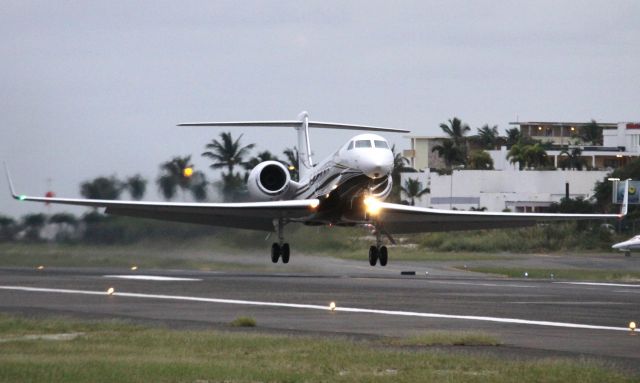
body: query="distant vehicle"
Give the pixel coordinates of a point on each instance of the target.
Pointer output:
(346, 189)
(628, 245)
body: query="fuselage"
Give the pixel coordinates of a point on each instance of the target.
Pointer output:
(360, 168)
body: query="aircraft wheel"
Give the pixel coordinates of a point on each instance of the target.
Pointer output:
(285, 253)
(275, 252)
(384, 256)
(373, 255)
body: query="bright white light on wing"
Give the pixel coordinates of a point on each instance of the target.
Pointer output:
(110, 291)
(372, 205)
(332, 306)
(314, 204)
(134, 268)
(632, 326)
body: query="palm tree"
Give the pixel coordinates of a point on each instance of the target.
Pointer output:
(573, 160)
(456, 130)
(591, 133)
(513, 136)
(480, 160)
(488, 136)
(449, 152)
(292, 162)
(198, 186)
(34, 224)
(136, 186)
(535, 155)
(173, 176)
(399, 166)
(516, 155)
(101, 188)
(413, 189)
(226, 152)
(8, 228)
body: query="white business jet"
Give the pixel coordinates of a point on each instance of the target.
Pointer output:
(628, 245)
(346, 189)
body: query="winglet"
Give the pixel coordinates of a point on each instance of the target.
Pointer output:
(625, 201)
(13, 192)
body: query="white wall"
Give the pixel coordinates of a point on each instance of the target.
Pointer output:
(500, 189)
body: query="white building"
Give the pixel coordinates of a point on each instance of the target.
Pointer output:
(496, 190)
(507, 187)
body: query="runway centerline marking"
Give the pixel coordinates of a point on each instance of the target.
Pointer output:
(599, 284)
(151, 278)
(316, 307)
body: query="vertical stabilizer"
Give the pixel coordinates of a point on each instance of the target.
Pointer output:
(305, 163)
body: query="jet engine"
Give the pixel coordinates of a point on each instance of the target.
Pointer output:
(268, 181)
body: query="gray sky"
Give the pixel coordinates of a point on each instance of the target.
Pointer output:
(94, 88)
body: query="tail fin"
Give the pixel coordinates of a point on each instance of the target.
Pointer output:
(302, 125)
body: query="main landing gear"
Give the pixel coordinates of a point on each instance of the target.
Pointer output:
(280, 249)
(378, 252)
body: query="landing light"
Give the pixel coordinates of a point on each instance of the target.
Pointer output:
(314, 204)
(372, 205)
(291, 167)
(134, 268)
(40, 267)
(632, 327)
(332, 306)
(110, 291)
(187, 172)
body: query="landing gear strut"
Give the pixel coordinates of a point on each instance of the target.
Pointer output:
(378, 252)
(280, 249)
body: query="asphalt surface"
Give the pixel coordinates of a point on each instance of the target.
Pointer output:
(371, 302)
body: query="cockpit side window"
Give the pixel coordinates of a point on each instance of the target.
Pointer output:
(363, 144)
(381, 144)
(350, 145)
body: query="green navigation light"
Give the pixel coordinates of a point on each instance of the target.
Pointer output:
(22, 197)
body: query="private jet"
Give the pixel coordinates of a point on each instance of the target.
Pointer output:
(628, 245)
(346, 189)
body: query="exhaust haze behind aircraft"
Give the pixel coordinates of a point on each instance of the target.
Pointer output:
(345, 189)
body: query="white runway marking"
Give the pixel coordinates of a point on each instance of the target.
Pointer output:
(599, 284)
(318, 307)
(151, 278)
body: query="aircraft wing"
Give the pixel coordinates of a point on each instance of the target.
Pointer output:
(396, 219)
(249, 215)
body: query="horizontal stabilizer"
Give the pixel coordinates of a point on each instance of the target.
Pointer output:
(296, 124)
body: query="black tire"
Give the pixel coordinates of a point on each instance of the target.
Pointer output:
(384, 256)
(373, 255)
(285, 253)
(275, 252)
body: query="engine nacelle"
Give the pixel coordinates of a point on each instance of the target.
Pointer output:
(268, 181)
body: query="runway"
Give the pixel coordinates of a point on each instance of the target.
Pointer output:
(527, 316)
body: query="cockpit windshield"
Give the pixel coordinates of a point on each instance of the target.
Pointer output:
(381, 144)
(363, 144)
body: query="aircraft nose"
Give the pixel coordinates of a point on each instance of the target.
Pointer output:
(377, 166)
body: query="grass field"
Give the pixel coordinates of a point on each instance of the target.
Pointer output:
(573, 274)
(119, 352)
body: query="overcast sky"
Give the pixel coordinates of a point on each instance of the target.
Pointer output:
(93, 88)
